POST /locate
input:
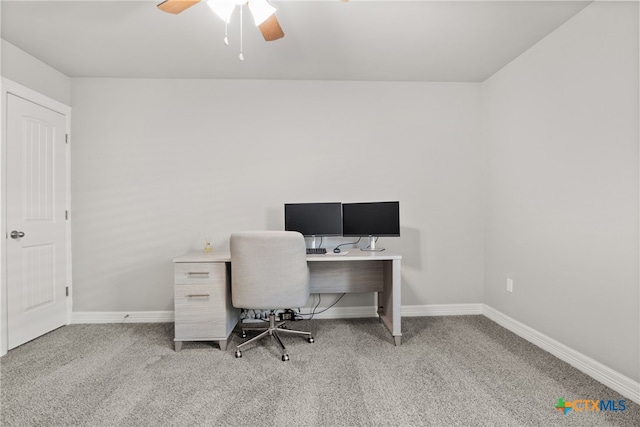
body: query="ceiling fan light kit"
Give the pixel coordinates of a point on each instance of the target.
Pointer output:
(224, 9)
(263, 14)
(261, 10)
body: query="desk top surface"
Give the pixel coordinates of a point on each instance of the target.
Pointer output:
(352, 255)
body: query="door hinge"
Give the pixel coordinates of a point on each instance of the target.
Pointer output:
(67, 290)
(66, 215)
(66, 138)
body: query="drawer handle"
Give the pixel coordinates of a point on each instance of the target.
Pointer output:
(198, 296)
(198, 273)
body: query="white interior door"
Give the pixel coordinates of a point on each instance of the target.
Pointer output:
(35, 220)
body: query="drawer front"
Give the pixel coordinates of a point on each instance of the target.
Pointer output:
(192, 273)
(200, 312)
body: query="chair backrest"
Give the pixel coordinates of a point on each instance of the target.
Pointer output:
(269, 270)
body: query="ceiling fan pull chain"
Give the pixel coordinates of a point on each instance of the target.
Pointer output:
(241, 56)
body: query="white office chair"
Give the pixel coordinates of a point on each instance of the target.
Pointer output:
(268, 272)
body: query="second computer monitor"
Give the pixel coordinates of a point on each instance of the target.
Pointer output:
(372, 219)
(314, 219)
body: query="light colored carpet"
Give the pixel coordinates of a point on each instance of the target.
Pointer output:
(449, 371)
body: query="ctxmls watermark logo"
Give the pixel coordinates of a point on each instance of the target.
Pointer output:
(585, 405)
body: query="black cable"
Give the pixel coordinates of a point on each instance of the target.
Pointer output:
(350, 243)
(375, 241)
(300, 314)
(309, 314)
(327, 308)
(313, 311)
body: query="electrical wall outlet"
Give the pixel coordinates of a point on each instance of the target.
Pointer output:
(509, 285)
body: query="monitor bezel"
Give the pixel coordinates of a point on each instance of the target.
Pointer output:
(311, 204)
(354, 234)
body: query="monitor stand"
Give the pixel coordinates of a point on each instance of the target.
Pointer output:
(372, 246)
(313, 242)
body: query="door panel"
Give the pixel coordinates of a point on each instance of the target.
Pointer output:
(36, 201)
(38, 264)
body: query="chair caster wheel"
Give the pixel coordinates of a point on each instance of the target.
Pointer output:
(283, 327)
(311, 340)
(238, 354)
(243, 334)
(285, 357)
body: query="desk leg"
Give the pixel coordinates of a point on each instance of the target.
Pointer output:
(178, 345)
(389, 300)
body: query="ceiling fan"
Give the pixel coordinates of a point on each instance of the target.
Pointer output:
(262, 11)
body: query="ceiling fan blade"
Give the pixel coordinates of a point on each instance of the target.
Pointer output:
(271, 29)
(176, 6)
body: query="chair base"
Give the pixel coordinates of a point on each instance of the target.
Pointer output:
(273, 329)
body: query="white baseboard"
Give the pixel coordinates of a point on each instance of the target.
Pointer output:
(345, 312)
(87, 317)
(596, 370)
(407, 311)
(441, 310)
(80, 317)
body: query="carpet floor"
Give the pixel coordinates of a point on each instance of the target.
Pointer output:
(449, 371)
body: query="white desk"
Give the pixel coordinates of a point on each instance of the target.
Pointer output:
(205, 313)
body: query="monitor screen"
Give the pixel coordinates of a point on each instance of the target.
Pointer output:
(314, 219)
(371, 219)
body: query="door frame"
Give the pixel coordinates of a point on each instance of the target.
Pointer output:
(10, 87)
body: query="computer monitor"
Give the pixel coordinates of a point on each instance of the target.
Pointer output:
(314, 219)
(372, 219)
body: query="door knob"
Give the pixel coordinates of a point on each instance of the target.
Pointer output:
(16, 234)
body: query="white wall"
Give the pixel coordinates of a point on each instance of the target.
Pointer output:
(156, 164)
(19, 66)
(561, 161)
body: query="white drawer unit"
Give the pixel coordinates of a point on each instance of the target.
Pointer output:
(202, 302)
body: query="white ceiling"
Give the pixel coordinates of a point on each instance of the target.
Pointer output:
(325, 40)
